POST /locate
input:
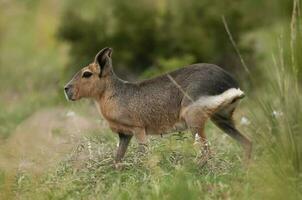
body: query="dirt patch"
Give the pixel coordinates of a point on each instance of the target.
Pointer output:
(45, 138)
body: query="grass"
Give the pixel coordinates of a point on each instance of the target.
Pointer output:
(170, 170)
(277, 132)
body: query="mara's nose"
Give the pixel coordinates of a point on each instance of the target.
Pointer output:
(68, 92)
(66, 88)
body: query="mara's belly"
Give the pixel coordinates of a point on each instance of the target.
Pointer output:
(165, 129)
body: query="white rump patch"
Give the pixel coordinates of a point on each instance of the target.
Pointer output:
(217, 101)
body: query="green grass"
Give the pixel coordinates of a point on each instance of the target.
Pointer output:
(172, 169)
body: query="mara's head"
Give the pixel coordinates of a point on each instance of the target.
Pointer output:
(90, 81)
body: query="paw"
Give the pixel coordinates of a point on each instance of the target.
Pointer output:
(117, 166)
(197, 139)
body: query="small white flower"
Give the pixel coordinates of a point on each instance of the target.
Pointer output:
(277, 113)
(245, 121)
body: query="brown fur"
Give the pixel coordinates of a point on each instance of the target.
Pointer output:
(158, 105)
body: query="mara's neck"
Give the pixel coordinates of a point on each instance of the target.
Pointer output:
(113, 87)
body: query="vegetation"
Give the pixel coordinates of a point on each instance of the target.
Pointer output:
(169, 171)
(148, 34)
(149, 39)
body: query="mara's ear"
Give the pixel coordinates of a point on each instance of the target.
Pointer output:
(103, 59)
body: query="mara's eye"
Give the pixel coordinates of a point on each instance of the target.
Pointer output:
(86, 74)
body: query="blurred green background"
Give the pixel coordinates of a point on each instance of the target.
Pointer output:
(44, 42)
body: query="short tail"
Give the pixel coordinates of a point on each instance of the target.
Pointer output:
(239, 95)
(232, 95)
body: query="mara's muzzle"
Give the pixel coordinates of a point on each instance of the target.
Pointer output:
(68, 90)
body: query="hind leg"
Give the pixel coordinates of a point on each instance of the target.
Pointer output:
(195, 120)
(196, 113)
(199, 136)
(225, 122)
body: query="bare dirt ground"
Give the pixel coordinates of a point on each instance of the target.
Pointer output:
(45, 138)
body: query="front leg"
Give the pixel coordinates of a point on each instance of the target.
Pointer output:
(122, 146)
